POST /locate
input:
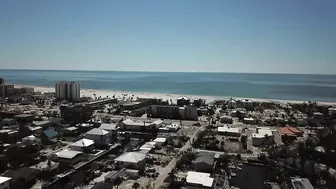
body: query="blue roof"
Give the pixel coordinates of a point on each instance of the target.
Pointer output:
(51, 133)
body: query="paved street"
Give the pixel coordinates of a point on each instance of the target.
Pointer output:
(165, 171)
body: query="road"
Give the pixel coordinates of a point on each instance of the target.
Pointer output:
(165, 171)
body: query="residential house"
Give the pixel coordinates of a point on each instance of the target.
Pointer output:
(71, 131)
(249, 120)
(111, 128)
(99, 136)
(133, 160)
(83, 145)
(226, 119)
(160, 141)
(69, 157)
(204, 162)
(262, 136)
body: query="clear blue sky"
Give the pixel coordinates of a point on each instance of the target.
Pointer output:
(287, 36)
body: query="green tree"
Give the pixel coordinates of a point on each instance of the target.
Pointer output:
(136, 185)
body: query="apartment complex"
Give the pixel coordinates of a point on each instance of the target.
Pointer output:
(67, 91)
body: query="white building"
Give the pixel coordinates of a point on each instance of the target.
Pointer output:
(199, 180)
(133, 160)
(99, 136)
(229, 131)
(160, 141)
(262, 136)
(69, 157)
(130, 125)
(249, 120)
(4, 182)
(83, 145)
(67, 91)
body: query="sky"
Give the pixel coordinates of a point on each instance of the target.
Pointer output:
(259, 36)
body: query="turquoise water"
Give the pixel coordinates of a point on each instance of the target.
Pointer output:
(273, 86)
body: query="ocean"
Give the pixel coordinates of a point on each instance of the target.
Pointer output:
(270, 86)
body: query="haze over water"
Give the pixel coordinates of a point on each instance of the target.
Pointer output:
(271, 86)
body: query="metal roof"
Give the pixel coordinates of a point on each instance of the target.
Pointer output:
(67, 154)
(97, 131)
(132, 157)
(205, 158)
(83, 143)
(51, 133)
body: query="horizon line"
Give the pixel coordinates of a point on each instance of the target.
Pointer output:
(215, 72)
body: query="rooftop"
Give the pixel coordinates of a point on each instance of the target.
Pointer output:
(160, 139)
(205, 158)
(83, 143)
(4, 179)
(199, 178)
(228, 129)
(108, 126)
(67, 154)
(97, 131)
(71, 128)
(132, 157)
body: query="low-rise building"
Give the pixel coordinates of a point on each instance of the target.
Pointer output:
(249, 120)
(262, 136)
(160, 141)
(111, 128)
(83, 145)
(226, 119)
(133, 160)
(130, 125)
(229, 131)
(69, 157)
(29, 140)
(99, 136)
(148, 147)
(70, 131)
(173, 112)
(204, 163)
(197, 180)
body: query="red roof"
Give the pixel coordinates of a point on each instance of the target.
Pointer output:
(294, 130)
(290, 131)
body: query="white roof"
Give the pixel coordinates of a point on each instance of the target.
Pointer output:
(83, 143)
(131, 157)
(160, 139)
(71, 128)
(158, 122)
(248, 119)
(265, 132)
(31, 137)
(228, 129)
(67, 154)
(4, 179)
(108, 126)
(97, 131)
(199, 179)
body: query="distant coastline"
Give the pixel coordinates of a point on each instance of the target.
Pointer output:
(120, 94)
(286, 87)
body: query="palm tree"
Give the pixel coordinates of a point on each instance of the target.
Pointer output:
(136, 185)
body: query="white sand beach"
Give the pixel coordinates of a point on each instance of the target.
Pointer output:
(120, 94)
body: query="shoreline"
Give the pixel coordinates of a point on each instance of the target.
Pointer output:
(103, 93)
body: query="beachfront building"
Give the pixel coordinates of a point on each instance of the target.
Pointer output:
(67, 91)
(183, 101)
(247, 104)
(174, 112)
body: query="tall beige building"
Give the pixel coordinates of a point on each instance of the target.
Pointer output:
(67, 91)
